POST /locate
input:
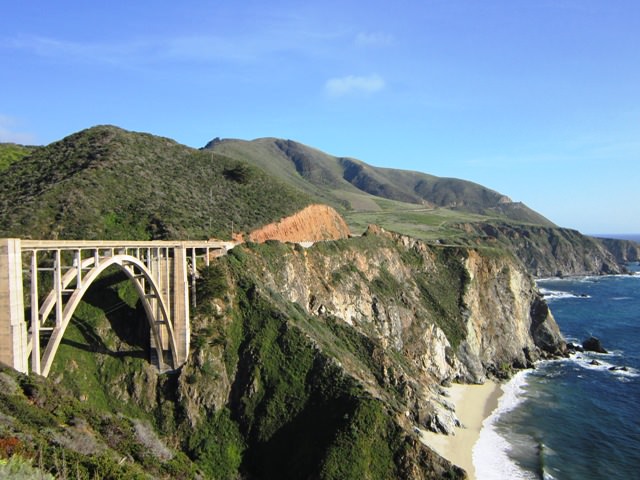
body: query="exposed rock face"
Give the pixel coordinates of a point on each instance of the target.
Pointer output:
(549, 251)
(509, 323)
(314, 223)
(623, 250)
(452, 313)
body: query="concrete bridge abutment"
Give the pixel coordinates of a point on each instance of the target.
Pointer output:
(13, 329)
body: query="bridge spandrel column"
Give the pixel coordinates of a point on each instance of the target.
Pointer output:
(180, 304)
(13, 330)
(162, 276)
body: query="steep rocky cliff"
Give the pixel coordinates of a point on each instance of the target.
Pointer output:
(394, 288)
(305, 363)
(550, 251)
(388, 316)
(623, 250)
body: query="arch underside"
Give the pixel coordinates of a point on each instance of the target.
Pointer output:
(147, 288)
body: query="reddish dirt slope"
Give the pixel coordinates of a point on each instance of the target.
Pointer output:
(314, 223)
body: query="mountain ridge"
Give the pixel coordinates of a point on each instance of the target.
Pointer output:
(321, 170)
(107, 182)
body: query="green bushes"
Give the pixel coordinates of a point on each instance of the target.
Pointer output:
(129, 185)
(365, 447)
(212, 283)
(18, 468)
(217, 446)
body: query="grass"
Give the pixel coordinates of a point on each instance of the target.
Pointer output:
(433, 224)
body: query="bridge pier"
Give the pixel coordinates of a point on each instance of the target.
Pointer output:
(13, 330)
(180, 304)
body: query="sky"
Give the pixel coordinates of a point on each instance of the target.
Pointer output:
(537, 99)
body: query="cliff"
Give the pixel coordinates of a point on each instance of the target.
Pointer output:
(305, 363)
(313, 223)
(549, 251)
(388, 316)
(623, 250)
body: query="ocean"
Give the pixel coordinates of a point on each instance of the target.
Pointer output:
(576, 418)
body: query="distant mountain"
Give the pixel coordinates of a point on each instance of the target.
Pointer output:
(352, 183)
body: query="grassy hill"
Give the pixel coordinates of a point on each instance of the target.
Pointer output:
(394, 198)
(109, 183)
(105, 182)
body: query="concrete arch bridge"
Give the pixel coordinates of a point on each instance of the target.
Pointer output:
(48, 278)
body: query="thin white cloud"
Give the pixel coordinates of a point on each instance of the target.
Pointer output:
(87, 52)
(367, 39)
(243, 48)
(8, 133)
(353, 84)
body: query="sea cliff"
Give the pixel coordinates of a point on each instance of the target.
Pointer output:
(314, 362)
(389, 316)
(551, 251)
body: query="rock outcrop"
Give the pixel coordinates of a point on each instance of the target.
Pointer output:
(454, 314)
(623, 250)
(312, 224)
(550, 251)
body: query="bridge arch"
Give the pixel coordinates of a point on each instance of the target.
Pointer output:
(163, 273)
(153, 302)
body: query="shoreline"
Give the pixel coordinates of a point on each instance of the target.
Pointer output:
(473, 404)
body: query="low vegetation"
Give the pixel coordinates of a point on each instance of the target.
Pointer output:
(10, 153)
(107, 183)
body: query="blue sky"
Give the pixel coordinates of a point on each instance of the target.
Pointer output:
(537, 99)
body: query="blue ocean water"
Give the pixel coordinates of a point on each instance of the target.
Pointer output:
(573, 418)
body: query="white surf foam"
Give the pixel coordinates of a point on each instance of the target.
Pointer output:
(550, 295)
(585, 361)
(491, 452)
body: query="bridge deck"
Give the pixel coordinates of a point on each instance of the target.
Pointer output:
(71, 244)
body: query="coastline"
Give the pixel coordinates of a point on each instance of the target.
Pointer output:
(473, 404)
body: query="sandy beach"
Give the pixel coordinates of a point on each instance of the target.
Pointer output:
(473, 404)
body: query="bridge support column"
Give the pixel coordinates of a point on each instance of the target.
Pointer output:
(180, 304)
(13, 330)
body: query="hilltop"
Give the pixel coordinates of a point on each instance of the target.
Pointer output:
(106, 182)
(359, 187)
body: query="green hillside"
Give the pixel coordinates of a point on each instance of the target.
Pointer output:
(108, 183)
(359, 187)
(105, 182)
(11, 153)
